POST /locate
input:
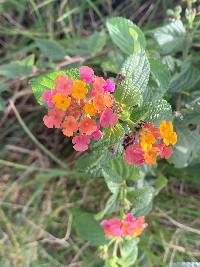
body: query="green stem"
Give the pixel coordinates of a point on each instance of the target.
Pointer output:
(115, 248)
(32, 137)
(122, 199)
(34, 168)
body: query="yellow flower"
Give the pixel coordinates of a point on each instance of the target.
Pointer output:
(151, 155)
(79, 89)
(61, 102)
(89, 109)
(147, 139)
(167, 133)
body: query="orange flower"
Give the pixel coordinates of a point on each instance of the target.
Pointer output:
(167, 132)
(69, 126)
(87, 126)
(151, 155)
(98, 84)
(89, 109)
(147, 139)
(61, 102)
(79, 89)
(101, 101)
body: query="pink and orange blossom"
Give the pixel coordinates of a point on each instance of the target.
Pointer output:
(129, 226)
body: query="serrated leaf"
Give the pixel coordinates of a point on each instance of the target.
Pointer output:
(171, 37)
(91, 163)
(186, 79)
(192, 113)
(187, 149)
(160, 74)
(136, 70)
(125, 34)
(47, 81)
(50, 48)
(129, 252)
(158, 110)
(112, 179)
(87, 227)
(112, 205)
(113, 135)
(121, 168)
(141, 197)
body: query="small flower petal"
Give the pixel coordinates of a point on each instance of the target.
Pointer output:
(109, 86)
(86, 74)
(108, 118)
(81, 142)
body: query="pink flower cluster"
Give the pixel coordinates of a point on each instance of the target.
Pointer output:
(81, 107)
(149, 143)
(129, 226)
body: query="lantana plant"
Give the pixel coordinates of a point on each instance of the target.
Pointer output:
(119, 128)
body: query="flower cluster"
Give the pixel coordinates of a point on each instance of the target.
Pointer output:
(151, 142)
(129, 226)
(81, 107)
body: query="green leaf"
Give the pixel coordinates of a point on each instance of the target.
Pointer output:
(113, 135)
(171, 37)
(112, 205)
(87, 227)
(160, 183)
(18, 68)
(192, 113)
(160, 74)
(125, 34)
(186, 79)
(187, 149)
(141, 197)
(2, 104)
(125, 171)
(158, 110)
(136, 70)
(113, 62)
(50, 49)
(112, 179)
(88, 46)
(47, 81)
(129, 252)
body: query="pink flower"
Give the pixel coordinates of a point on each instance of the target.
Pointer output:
(86, 74)
(47, 97)
(53, 118)
(63, 85)
(70, 125)
(152, 129)
(109, 86)
(87, 126)
(81, 142)
(96, 135)
(112, 227)
(164, 151)
(133, 227)
(108, 118)
(128, 225)
(134, 155)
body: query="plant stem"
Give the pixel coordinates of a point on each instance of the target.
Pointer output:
(34, 168)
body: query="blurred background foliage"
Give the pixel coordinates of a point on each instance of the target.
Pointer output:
(35, 202)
